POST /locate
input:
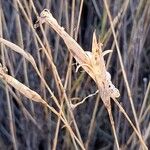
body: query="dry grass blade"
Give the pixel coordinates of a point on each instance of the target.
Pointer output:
(124, 75)
(136, 131)
(76, 51)
(32, 95)
(20, 87)
(103, 80)
(42, 60)
(55, 72)
(145, 100)
(29, 57)
(31, 60)
(18, 50)
(91, 63)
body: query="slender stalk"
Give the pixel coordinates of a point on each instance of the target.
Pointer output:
(123, 69)
(113, 126)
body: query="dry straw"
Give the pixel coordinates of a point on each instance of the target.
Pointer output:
(32, 95)
(93, 63)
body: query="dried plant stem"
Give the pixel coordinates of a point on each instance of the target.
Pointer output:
(66, 99)
(58, 37)
(141, 112)
(125, 114)
(25, 111)
(101, 77)
(106, 101)
(11, 119)
(113, 126)
(69, 68)
(57, 127)
(37, 98)
(79, 18)
(78, 53)
(68, 72)
(31, 60)
(92, 122)
(10, 111)
(116, 21)
(67, 125)
(57, 130)
(69, 109)
(145, 100)
(20, 43)
(73, 136)
(58, 122)
(57, 78)
(124, 73)
(48, 66)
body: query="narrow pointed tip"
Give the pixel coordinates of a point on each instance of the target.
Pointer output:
(94, 42)
(94, 34)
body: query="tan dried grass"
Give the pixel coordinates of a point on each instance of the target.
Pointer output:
(94, 65)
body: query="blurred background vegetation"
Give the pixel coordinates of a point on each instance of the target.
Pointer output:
(26, 125)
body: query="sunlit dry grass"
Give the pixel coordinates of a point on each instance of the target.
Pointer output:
(36, 65)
